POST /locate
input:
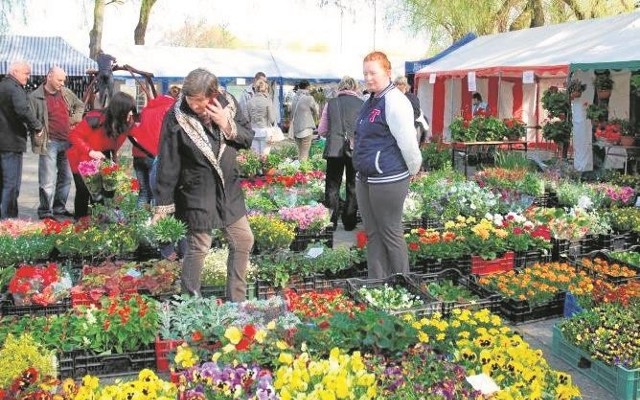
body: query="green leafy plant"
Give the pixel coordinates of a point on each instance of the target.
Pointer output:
(557, 131)
(168, 230)
(576, 86)
(435, 157)
(555, 102)
(603, 82)
(511, 160)
(596, 112)
(447, 290)
(20, 353)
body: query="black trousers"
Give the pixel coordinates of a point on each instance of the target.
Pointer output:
(336, 167)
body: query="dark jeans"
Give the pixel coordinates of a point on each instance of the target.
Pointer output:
(54, 178)
(105, 84)
(142, 166)
(336, 167)
(11, 178)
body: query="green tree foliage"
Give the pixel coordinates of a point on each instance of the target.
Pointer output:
(448, 21)
(199, 34)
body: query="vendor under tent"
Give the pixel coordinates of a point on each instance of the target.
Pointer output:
(511, 70)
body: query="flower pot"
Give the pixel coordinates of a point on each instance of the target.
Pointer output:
(627, 140)
(575, 95)
(604, 94)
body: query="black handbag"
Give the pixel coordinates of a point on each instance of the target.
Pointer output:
(347, 148)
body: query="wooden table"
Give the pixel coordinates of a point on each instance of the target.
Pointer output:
(464, 148)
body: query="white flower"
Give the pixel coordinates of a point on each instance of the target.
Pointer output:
(585, 202)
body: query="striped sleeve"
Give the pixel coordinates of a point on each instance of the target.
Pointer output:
(399, 113)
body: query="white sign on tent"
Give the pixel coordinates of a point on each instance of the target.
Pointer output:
(471, 81)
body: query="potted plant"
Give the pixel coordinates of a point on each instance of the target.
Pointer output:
(596, 112)
(555, 102)
(626, 130)
(575, 88)
(603, 84)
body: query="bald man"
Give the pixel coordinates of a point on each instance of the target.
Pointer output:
(59, 110)
(17, 119)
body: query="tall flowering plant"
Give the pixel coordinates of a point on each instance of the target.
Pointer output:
(90, 172)
(564, 224)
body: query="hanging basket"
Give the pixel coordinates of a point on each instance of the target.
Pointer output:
(604, 94)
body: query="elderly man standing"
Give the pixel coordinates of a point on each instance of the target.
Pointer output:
(16, 120)
(59, 110)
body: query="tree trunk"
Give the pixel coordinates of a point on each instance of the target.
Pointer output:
(575, 8)
(537, 17)
(141, 29)
(95, 35)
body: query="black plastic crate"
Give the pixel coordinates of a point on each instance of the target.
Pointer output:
(358, 270)
(407, 226)
(606, 256)
(106, 365)
(618, 240)
(429, 306)
(265, 290)
(8, 308)
(432, 265)
(431, 223)
(528, 258)
(303, 239)
(520, 311)
(486, 299)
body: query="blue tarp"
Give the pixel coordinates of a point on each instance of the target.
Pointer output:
(43, 52)
(411, 67)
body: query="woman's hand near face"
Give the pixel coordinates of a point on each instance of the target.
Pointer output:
(218, 115)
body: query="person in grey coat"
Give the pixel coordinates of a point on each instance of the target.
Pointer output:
(304, 112)
(59, 110)
(17, 119)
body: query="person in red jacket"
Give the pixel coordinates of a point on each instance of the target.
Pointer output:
(146, 139)
(99, 136)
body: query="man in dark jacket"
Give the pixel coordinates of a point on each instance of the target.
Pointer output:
(59, 109)
(17, 119)
(337, 124)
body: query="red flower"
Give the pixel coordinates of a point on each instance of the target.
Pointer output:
(243, 344)
(249, 331)
(135, 185)
(414, 246)
(197, 336)
(323, 324)
(106, 324)
(361, 239)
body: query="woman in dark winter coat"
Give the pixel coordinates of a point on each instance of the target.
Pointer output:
(197, 178)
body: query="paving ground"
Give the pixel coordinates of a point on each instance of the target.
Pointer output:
(537, 334)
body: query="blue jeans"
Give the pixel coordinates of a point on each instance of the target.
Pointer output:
(11, 173)
(54, 178)
(142, 166)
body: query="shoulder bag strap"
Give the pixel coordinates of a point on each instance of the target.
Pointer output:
(139, 146)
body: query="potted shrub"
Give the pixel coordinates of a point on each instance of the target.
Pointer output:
(555, 102)
(603, 84)
(596, 112)
(575, 88)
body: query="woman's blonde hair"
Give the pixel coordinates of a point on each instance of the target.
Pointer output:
(261, 86)
(347, 83)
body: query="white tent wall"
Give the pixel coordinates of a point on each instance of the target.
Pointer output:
(581, 129)
(619, 101)
(452, 107)
(529, 107)
(426, 101)
(505, 100)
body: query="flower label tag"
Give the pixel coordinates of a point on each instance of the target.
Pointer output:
(314, 252)
(483, 383)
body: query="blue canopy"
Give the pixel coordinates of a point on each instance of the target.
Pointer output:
(411, 67)
(43, 52)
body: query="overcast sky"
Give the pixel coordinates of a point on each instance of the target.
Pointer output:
(278, 22)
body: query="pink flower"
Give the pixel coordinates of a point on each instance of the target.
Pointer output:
(89, 168)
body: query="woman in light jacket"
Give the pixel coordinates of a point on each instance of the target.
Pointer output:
(262, 116)
(304, 112)
(385, 156)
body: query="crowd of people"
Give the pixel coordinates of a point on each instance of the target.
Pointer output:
(184, 147)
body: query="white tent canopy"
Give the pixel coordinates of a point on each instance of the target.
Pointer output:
(547, 49)
(496, 66)
(177, 62)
